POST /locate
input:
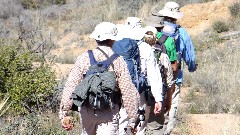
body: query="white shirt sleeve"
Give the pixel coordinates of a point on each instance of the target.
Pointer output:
(150, 68)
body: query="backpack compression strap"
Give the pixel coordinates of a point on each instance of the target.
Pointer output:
(91, 57)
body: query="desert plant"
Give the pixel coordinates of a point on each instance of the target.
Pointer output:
(10, 8)
(27, 87)
(217, 79)
(220, 26)
(235, 9)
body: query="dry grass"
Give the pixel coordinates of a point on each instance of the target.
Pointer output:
(217, 77)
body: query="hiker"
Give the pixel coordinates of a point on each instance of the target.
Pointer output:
(94, 121)
(185, 51)
(164, 41)
(133, 37)
(155, 123)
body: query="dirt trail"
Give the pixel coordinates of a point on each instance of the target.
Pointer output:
(206, 124)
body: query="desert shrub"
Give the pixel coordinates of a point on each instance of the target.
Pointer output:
(36, 124)
(10, 8)
(220, 26)
(60, 2)
(27, 87)
(217, 78)
(235, 9)
(30, 4)
(34, 4)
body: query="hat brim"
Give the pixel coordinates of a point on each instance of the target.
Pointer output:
(151, 23)
(172, 14)
(103, 37)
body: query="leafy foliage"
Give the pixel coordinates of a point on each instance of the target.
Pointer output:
(27, 86)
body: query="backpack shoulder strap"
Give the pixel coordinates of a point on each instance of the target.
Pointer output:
(162, 39)
(91, 57)
(110, 60)
(105, 56)
(161, 42)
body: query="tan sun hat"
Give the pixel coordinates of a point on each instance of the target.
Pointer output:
(171, 9)
(104, 31)
(154, 20)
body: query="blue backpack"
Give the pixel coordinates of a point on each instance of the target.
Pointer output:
(128, 49)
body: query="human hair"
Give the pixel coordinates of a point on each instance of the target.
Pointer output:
(107, 42)
(170, 19)
(150, 38)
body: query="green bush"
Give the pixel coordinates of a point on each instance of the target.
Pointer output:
(220, 26)
(235, 9)
(33, 4)
(29, 4)
(27, 87)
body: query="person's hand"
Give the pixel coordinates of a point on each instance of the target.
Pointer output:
(157, 108)
(130, 130)
(193, 70)
(67, 123)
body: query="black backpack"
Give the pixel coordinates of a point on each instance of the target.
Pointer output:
(97, 90)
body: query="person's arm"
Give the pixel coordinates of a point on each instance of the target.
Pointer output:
(187, 50)
(130, 95)
(149, 63)
(74, 78)
(168, 71)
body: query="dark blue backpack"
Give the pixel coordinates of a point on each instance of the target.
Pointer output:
(128, 49)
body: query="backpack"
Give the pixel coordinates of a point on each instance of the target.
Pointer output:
(171, 30)
(128, 49)
(97, 90)
(158, 49)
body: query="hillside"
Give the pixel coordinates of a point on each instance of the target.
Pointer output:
(210, 97)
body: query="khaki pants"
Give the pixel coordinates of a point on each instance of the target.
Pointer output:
(99, 122)
(171, 117)
(141, 128)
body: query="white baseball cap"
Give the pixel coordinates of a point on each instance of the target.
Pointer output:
(104, 31)
(152, 29)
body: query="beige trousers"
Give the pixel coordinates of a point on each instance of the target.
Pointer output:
(141, 128)
(99, 122)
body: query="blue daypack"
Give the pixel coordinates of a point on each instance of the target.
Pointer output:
(128, 49)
